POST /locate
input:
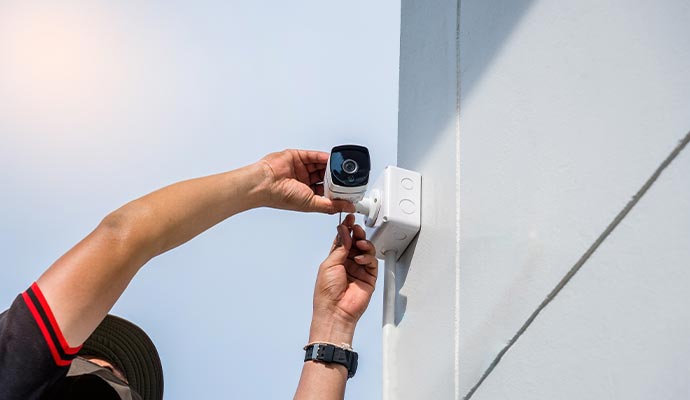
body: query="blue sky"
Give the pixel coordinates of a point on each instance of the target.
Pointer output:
(102, 102)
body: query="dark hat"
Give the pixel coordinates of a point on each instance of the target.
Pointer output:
(127, 346)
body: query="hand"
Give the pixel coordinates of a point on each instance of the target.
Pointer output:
(344, 285)
(294, 181)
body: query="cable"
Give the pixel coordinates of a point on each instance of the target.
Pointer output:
(389, 296)
(389, 292)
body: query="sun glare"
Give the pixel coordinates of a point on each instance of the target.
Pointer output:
(57, 59)
(65, 80)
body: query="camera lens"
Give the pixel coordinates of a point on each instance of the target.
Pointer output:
(350, 166)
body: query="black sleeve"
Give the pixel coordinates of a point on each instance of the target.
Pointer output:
(34, 356)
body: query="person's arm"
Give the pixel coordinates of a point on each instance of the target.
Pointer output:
(82, 286)
(344, 286)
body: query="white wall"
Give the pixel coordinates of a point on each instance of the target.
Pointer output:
(533, 124)
(420, 352)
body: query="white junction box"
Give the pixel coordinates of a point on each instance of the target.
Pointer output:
(394, 205)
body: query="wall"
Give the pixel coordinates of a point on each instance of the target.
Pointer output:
(419, 352)
(534, 123)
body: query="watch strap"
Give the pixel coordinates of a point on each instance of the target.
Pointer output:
(328, 353)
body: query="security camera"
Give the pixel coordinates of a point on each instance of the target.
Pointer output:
(347, 173)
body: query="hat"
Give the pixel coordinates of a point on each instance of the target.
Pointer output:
(127, 346)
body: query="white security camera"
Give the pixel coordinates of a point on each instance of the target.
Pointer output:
(347, 173)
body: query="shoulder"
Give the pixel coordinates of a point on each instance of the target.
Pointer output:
(34, 355)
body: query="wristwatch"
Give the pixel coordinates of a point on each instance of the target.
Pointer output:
(328, 353)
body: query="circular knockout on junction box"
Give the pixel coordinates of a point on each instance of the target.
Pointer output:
(407, 206)
(407, 183)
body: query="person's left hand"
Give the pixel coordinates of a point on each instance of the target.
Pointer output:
(294, 181)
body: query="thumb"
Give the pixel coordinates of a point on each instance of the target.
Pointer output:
(341, 245)
(328, 206)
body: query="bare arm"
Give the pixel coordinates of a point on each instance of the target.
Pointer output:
(344, 286)
(83, 284)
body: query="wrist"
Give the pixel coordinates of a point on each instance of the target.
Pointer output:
(258, 181)
(331, 329)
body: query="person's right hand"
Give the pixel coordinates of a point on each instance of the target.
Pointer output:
(344, 285)
(293, 181)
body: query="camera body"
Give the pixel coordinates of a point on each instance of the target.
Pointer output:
(347, 173)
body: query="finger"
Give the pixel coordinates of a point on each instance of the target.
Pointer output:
(349, 221)
(316, 167)
(343, 232)
(365, 259)
(315, 177)
(317, 189)
(342, 241)
(366, 247)
(343, 205)
(358, 233)
(366, 275)
(328, 206)
(368, 263)
(356, 251)
(322, 204)
(313, 156)
(301, 173)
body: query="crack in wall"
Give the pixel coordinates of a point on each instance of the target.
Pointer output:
(582, 260)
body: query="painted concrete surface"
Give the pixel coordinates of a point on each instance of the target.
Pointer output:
(422, 363)
(619, 330)
(562, 112)
(563, 127)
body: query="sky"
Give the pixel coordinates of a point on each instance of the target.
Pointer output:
(102, 102)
